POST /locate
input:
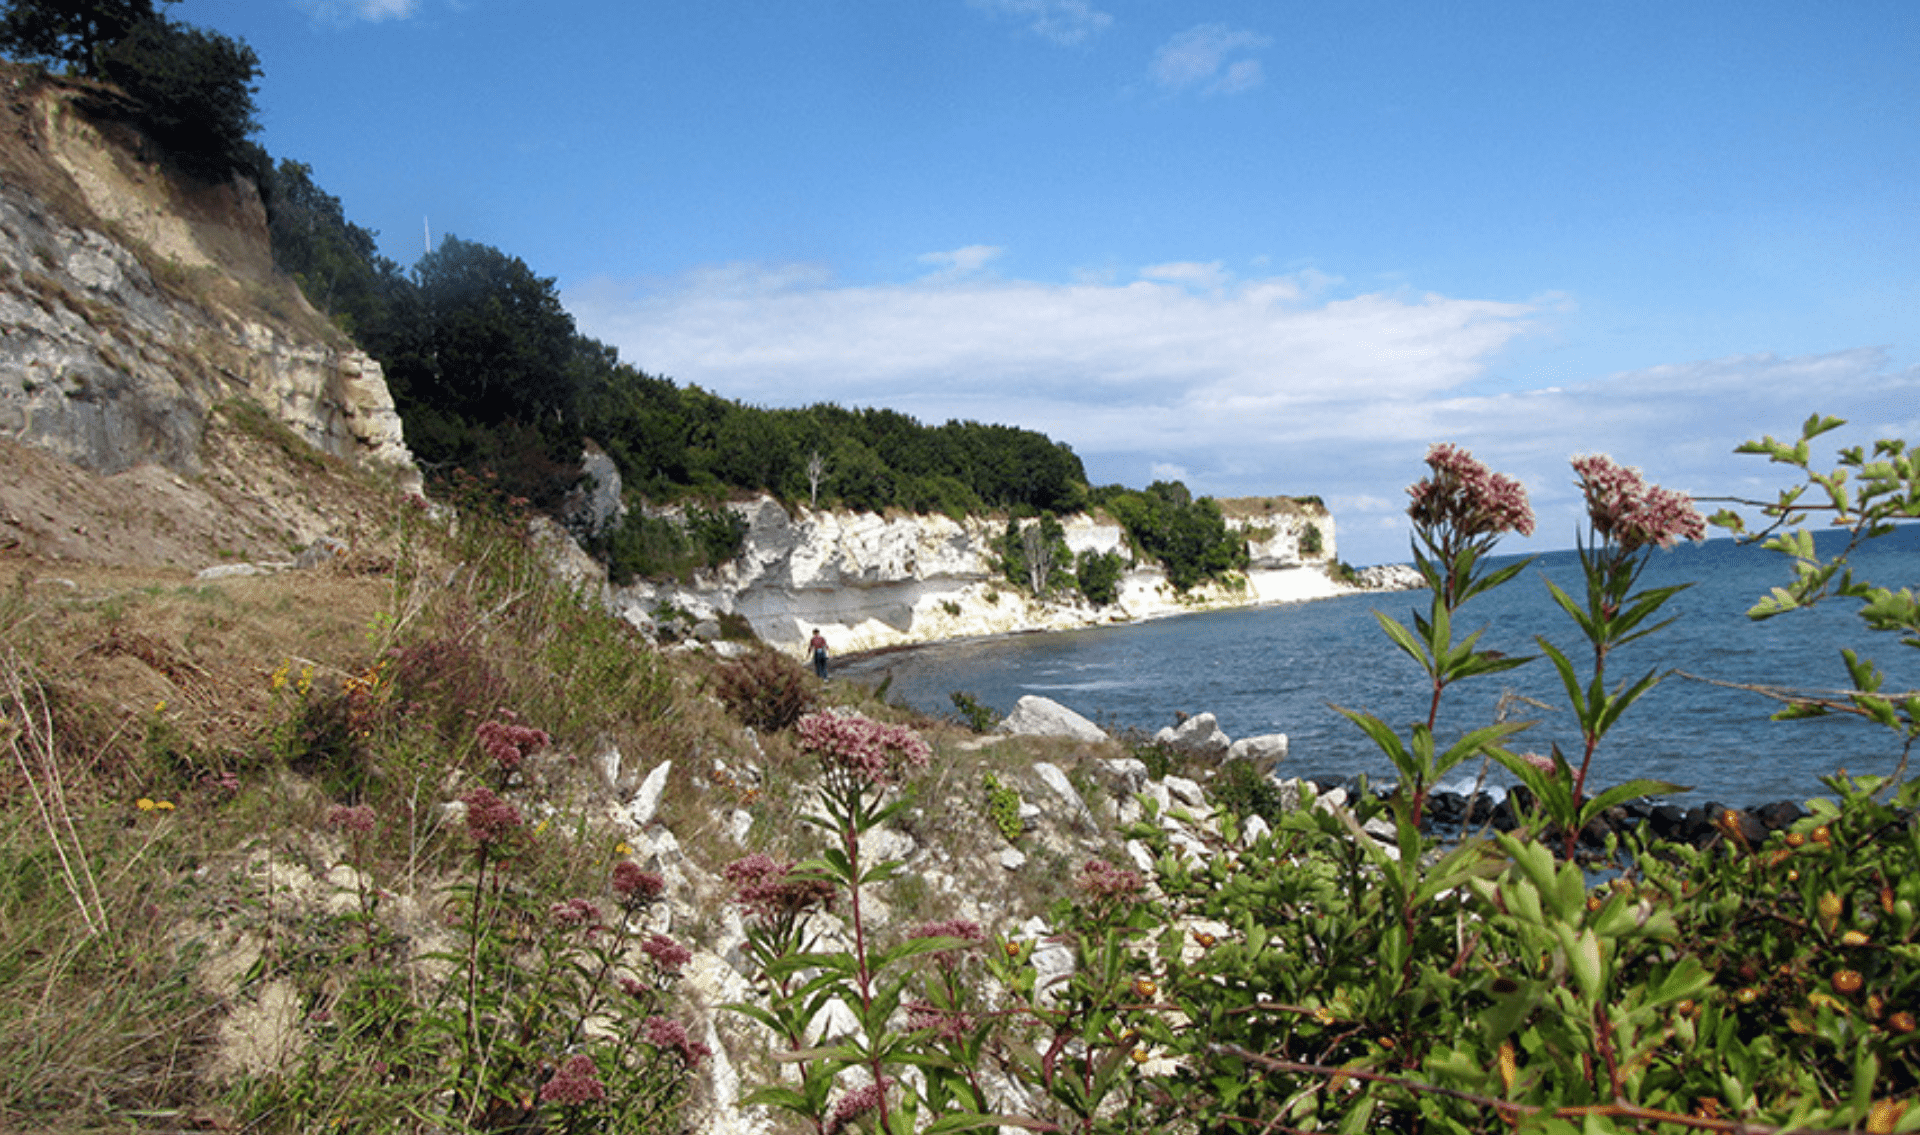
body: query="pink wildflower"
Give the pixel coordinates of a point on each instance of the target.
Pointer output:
(873, 751)
(576, 1083)
(666, 953)
(1626, 509)
(575, 912)
(966, 930)
(962, 928)
(634, 887)
(767, 887)
(510, 744)
(667, 1034)
(489, 818)
(855, 1104)
(1102, 880)
(1465, 496)
(950, 1025)
(1543, 763)
(634, 987)
(358, 819)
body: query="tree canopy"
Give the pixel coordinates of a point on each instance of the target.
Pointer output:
(189, 90)
(74, 32)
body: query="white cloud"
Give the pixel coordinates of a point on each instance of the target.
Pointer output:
(1237, 386)
(1206, 57)
(346, 11)
(1066, 22)
(960, 262)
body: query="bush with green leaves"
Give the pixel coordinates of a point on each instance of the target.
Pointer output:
(1098, 575)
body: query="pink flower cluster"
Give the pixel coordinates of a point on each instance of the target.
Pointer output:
(666, 953)
(1466, 497)
(575, 912)
(1626, 509)
(635, 887)
(964, 929)
(1102, 880)
(855, 1104)
(871, 750)
(1540, 761)
(510, 744)
(576, 1083)
(767, 887)
(358, 819)
(669, 1035)
(489, 818)
(950, 1025)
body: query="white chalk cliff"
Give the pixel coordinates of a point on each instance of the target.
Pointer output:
(869, 581)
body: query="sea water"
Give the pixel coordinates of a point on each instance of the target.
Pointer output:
(1283, 669)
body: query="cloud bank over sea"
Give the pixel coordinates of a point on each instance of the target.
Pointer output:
(1289, 382)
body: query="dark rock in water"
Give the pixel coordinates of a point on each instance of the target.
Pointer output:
(1447, 808)
(1698, 827)
(1665, 821)
(1779, 815)
(1480, 810)
(1751, 828)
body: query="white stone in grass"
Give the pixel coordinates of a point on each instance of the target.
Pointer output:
(646, 802)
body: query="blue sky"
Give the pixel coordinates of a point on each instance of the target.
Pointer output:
(1260, 247)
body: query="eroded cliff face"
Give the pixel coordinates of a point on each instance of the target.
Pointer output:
(131, 305)
(868, 582)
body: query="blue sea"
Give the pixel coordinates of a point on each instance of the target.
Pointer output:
(1282, 669)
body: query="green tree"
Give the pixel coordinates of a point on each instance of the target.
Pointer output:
(193, 92)
(335, 261)
(489, 342)
(74, 32)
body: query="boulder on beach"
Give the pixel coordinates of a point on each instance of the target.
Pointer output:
(1197, 736)
(1267, 749)
(1035, 716)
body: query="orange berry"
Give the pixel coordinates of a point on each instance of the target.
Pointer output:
(1140, 1056)
(1822, 835)
(1203, 938)
(1013, 949)
(1854, 938)
(1846, 982)
(1144, 987)
(1795, 839)
(1901, 1022)
(1746, 995)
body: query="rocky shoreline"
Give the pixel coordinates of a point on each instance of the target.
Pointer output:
(1200, 738)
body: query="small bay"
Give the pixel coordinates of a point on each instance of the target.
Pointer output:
(1282, 669)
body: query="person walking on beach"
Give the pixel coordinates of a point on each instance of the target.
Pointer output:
(819, 649)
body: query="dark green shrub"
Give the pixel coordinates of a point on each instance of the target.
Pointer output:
(1243, 789)
(1311, 542)
(717, 532)
(765, 690)
(1099, 576)
(973, 715)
